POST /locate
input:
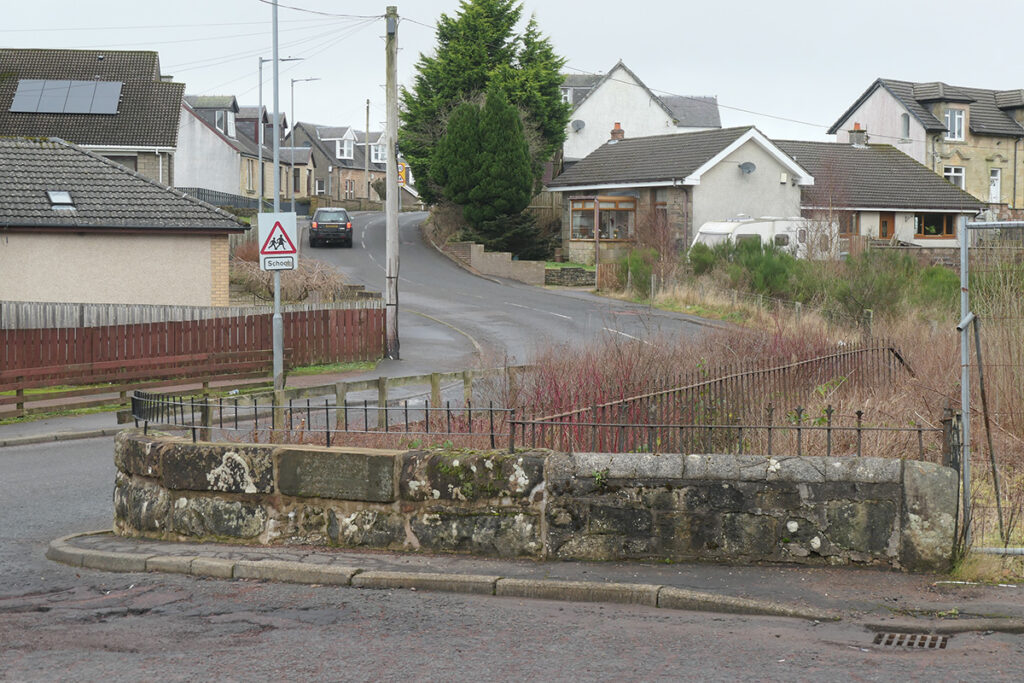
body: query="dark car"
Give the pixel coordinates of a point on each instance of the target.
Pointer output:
(330, 225)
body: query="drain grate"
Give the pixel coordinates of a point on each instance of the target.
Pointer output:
(918, 641)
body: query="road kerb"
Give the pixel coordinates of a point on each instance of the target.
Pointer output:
(680, 598)
(113, 562)
(950, 626)
(170, 564)
(580, 591)
(59, 551)
(212, 567)
(294, 572)
(454, 583)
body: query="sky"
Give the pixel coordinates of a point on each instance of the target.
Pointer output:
(790, 67)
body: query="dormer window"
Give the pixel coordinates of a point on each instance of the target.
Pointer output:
(954, 124)
(567, 95)
(905, 126)
(60, 199)
(343, 149)
(377, 154)
(225, 122)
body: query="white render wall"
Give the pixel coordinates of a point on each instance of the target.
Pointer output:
(128, 269)
(881, 115)
(725, 191)
(619, 99)
(204, 159)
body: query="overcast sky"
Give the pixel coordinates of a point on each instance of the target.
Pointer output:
(790, 67)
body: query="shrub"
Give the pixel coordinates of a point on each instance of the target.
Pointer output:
(639, 264)
(702, 258)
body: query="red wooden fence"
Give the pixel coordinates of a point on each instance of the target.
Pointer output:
(313, 337)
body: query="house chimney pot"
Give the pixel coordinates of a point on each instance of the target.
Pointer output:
(858, 136)
(617, 132)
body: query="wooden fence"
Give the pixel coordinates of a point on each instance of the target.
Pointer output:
(331, 335)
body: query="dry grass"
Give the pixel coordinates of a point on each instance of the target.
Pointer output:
(312, 278)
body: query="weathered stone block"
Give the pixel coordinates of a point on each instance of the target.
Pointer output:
(469, 476)
(863, 526)
(139, 506)
(488, 532)
(752, 467)
(749, 535)
(929, 516)
(136, 453)
(867, 470)
(206, 517)
(604, 547)
(688, 535)
(367, 528)
(630, 522)
(629, 465)
(341, 475)
(711, 496)
(794, 469)
(717, 466)
(231, 468)
(776, 497)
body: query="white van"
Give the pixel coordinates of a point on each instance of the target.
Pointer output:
(790, 234)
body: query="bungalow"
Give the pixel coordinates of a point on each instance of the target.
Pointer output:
(77, 227)
(878, 192)
(678, 181)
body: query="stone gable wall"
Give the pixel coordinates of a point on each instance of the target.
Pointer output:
(541, 504)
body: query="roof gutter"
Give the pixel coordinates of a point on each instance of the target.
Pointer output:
(891, 209)
(617, 186)
(119, 229)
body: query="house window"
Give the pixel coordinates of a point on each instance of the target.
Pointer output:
(954, 174)
(129, 162)
(938, 225)
(616, 218)
(320, 187)
(849, 223)
(296, 180)
(905, 126)
(250, 174)
(954, 124)
(567, 95)
(343, 149)
(231, 123)
(350, 189)
(220, 121)
(377, 154)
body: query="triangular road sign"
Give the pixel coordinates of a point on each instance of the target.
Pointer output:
(278, 242)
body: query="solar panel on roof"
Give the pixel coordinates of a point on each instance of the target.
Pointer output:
(66, 97)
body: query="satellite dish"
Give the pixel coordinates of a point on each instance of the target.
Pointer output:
(747, 167)
(578, 125)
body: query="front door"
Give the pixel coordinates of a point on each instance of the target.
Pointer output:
(886, 226)
(995, 181)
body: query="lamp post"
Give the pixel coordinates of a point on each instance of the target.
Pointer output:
(259, 116)
(294, 81)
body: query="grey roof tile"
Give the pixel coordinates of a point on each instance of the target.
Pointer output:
(147, 114)
(649, 159)
(874, 176)
(105, 194)
(693, 111)
(212, 102)
(986, 117)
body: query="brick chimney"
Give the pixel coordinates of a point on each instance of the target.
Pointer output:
(617, 132)
(858, 136)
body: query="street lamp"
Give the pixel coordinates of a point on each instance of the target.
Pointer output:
(294, 81)
(259, 116)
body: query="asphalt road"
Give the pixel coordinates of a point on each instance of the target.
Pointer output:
(507, 319)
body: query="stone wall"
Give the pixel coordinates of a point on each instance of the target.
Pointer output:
(497, 263)
(569, 277)
(539, 504)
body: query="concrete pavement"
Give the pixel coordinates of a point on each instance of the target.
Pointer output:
(881, 601)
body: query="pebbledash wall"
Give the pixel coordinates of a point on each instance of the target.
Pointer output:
(541, 504)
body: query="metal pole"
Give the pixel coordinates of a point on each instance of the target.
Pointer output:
(965, 378)
(391, 202)
(277, 324)
(366, 156)
(259, 139)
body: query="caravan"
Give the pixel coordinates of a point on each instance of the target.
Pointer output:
(790, 234)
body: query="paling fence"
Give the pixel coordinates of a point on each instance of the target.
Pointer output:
(996, 267)
(701, 412)
(326, 333)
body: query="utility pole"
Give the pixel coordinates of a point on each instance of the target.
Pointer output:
(277, 323)
(262, 126)
(366, 155)
(391, 201)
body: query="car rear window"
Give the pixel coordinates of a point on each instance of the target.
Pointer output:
(325, 216)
